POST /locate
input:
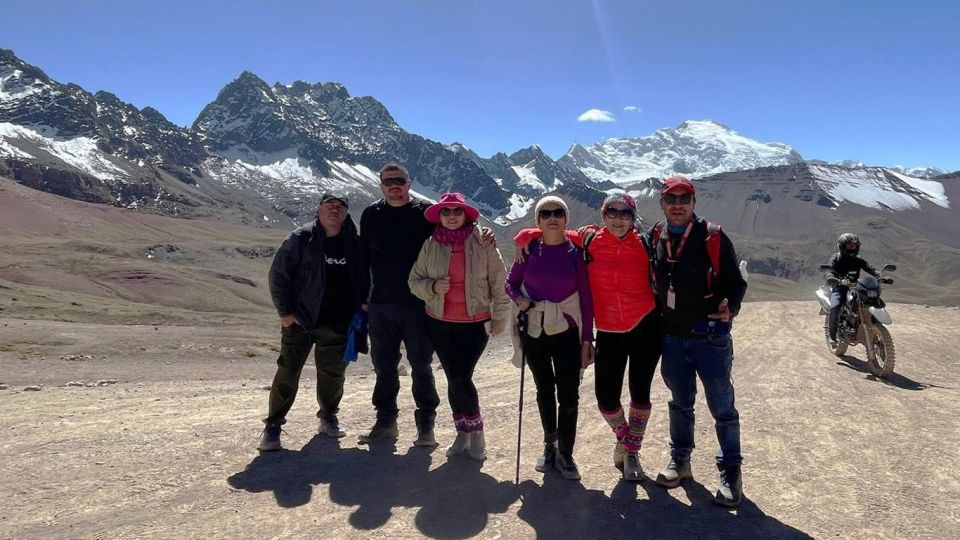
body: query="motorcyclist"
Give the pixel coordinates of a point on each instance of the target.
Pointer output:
(842, 263)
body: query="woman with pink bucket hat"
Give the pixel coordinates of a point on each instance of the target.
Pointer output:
(460, 278)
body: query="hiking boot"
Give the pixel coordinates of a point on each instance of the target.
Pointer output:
(673, 473)
(270, 438)
(331, 427)
(425, 436)
(383, 430)
(731, 487)
(460, 444)
(567, 467)
(478, 446)
(632, 471)
(619, 452)
(549, 458)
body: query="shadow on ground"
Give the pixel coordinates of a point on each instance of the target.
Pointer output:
(894, 379)
(456, 499)
(562, 509)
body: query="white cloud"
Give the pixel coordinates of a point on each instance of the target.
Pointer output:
(596, 115)
(632, 108)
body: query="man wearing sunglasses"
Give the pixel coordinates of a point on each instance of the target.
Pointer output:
(392, 231)
(698, 302)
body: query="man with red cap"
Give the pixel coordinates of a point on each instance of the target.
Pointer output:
(700, 289)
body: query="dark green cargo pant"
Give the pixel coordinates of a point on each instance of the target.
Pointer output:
(295, 345)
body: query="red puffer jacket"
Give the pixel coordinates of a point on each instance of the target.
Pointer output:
(619, 274)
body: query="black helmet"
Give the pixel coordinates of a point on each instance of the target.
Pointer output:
(848, 244)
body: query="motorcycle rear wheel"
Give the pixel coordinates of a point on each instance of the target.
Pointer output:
(883, 359)
(841, 348)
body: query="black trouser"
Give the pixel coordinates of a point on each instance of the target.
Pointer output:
(555, 364)
(642, 346)
(390, 325)
(295, 345)
(459, 346)
(838, 297)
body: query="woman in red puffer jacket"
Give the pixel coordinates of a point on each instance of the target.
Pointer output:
(627, 321)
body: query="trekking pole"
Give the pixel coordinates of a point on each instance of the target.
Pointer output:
(521, 330)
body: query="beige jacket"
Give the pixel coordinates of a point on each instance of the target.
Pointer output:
(485, 276)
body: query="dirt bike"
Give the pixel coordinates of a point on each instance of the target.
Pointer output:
(862, 318)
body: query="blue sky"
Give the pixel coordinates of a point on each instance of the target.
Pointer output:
(860, 79)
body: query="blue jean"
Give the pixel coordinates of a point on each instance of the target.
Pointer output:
(712, 359)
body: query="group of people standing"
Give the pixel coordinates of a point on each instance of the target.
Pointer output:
(429, 277)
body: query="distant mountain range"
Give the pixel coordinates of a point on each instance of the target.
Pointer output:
(261, 154)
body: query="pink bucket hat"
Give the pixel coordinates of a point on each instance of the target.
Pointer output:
(451, 200)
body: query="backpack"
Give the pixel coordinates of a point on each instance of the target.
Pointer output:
(588, 233)
(713, 250)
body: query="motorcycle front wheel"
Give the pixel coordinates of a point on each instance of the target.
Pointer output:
(883, 359)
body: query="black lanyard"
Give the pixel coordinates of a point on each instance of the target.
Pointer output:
(671, 258)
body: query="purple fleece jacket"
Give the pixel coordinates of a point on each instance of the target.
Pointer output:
(553, 273)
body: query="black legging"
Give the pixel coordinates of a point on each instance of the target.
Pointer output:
(642, 346)
(555, 364)
(459, 347)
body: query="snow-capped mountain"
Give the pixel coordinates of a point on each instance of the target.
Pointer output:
(293, 133)
(694, 148)
(268, 150)
(526, 175)
(916, 172)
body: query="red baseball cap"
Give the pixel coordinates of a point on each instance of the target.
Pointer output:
(677, 183)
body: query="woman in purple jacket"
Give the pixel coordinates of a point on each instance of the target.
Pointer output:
(550, 285)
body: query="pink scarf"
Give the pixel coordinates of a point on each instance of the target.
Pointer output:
(448, 237)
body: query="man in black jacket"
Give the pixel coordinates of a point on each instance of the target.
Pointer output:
(842, 263)
(317, 284)
(698, 302)
(393, 230)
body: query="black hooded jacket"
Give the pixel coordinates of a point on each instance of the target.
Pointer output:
(297, 275)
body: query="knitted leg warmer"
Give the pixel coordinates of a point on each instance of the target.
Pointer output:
(639, 416)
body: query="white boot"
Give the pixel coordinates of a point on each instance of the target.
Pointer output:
(461, 444)
(478, 446)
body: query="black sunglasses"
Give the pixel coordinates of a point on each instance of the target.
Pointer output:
(447, 212)
(393, 181)
(556, 212)
(671, 198)
(613, 213)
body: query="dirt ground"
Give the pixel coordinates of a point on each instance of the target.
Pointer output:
(157, 439)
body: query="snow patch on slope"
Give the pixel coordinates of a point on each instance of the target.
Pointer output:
(528, 177)
(519, 206)
(79, 152)
(871, 188)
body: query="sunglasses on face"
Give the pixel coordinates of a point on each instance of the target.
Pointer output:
(399, 181)
(613, 213)
(556, 212)
(672, 198)
(447, 212)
